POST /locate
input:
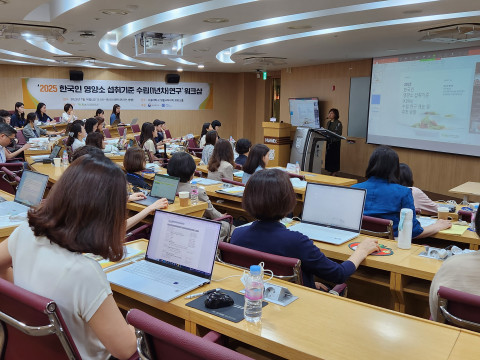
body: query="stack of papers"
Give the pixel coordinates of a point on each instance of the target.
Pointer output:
(204, 181)
(234, 190)
(238, 173)
(297, 183)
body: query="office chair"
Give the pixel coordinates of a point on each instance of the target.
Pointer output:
(192, 144)
(10, 176)
(373, 226)
(465, 215)
(158, 340)
(121, 130)
(21, 138)
(141, 232)
(135, 128)
(458, 308)
(34, 327)
(233, 182)
(167, 134)
(107, 134)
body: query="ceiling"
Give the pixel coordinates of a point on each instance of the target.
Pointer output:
(301, 32)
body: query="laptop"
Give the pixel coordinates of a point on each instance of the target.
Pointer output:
(331, 214)
(164, 186)
(134, 121)
(30, 192)
(179, 258)
(47, 159)
(232, 190)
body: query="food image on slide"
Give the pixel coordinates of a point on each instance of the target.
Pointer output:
(427, 101)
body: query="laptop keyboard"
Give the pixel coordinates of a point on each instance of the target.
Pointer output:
(325, 234)
(160, 274)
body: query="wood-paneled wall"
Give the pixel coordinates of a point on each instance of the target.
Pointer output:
(234, 96)
(435, 172)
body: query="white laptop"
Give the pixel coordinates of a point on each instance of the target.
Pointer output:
(331, 214)
(164, 186)
(179, 258)
(30, 192)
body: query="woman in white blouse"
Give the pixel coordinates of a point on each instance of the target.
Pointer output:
(67, 115)
(76, 135)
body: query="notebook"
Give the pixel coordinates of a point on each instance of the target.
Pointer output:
(164, 186)
(179, 258)
(331, 214)
(232, 190)
(49, 158)
(30, 192)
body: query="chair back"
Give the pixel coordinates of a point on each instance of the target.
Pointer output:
(373, 226)
(165, 341)
(9, 174)
(458, 308)
(238, 166)
(107, 134)
(465, 215)
(195, 151)
(135, 128)
(141, 232)
(121, 130)
(301, 177)
(21, 138)
(57, 118)
(192, 143)
(137, 139)
(237, 183)
(34, 327)
(283, 267)
(167, 134)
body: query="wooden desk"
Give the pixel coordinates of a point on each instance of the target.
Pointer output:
(467, 347)
(6, 231)
(54, 126)
(468, 188)
(53, 172)
(192, 210)
(315, 326)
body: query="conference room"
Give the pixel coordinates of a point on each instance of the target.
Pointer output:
(322, 85)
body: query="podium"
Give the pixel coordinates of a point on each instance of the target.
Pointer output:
(277, 137)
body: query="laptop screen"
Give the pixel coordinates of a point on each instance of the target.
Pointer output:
(334, 206)
(31, 188)
(164, 186)
(184, 242)
(55, 151)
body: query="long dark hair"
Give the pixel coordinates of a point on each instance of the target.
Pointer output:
(114, 111)
(98, 230)
(95, 139)
(22, 115)
(255, 158)
(405, 176)
(89, 124)
(222, 151)
(384, 164)
(205, 127)
(211, 138)
(147, 133)
(73, 132)
(39, 113)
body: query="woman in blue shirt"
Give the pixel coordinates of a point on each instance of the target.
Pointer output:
(268, 197)
(42, 113)
(385, 197)
(115, 114)
(257, 160)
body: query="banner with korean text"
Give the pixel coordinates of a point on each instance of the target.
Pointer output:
(103, 94)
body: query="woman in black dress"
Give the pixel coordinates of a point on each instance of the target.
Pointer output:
(332, 156)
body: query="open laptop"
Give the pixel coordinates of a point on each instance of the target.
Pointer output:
(164, 186)
(30, 192)
(179, 258)
(134, 121)
(331, 214)
(47, 159)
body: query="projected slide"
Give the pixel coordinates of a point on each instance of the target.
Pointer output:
(428, 101)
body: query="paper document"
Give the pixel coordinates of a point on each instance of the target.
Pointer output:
(238, 173)
(297, 183)
(455, 230)
(426, 221)
(233, 190)
(204, 181)
(130, 253)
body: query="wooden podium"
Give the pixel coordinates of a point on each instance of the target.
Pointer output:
(277, 137)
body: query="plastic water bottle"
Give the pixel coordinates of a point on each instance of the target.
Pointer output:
(297, 168)
(474, 215)
(405, 226)
(253, 295)
(194, 192)
(65, 158)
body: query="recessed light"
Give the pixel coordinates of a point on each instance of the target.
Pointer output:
(114, 12)
(77, 43)
(300, 27)
(230, 40)
(202, 50)
(216, 20)
(179, 69)
(200, 66)
(410, 12)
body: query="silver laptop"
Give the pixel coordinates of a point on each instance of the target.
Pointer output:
(164, 186)
(47, 159)
(30, 192)
(179, 258)
(331, 214)
(134, 121)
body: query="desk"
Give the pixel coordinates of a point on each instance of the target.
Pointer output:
(54, 126)
(315, 326)
(53, 172)
(6, 231)
(469, 188)
(192, 210)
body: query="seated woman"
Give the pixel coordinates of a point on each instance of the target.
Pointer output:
(385, 197)
(183, 166)
(460, 272)
(48, 250)
(18, 118)
(91, 125)
(96, 139)
(31, 129)
(147, 139)
(115, 115)
(206, 127)
(257, 160)
(268, 197)
(133, 163)
(420, 199)
(100, 124)
(221, 163)
(210, 141)
(42, 113)
(242, 147)
(68, 115)
(76, 135)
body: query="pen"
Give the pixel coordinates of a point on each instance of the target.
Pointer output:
(200, 294)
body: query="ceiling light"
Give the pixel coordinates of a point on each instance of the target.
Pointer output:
(202, 50)
(73, 59)
(216, 20)
(300, 27)
(158, 45)
(200, 66)
(17, 31)
(114, 43)
(449, 34)
(87, 34)
(114, 12)
(179, 69)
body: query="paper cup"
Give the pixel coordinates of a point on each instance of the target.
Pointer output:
(184, 196)
(57, 161)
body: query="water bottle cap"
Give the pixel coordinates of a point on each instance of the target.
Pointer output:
(255, 269)
(194, 182)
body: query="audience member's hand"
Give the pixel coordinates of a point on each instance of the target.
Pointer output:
(368, 246)
(320, 286)
(137, 196)
(159, 204)
(26, 146)
(443, 224)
